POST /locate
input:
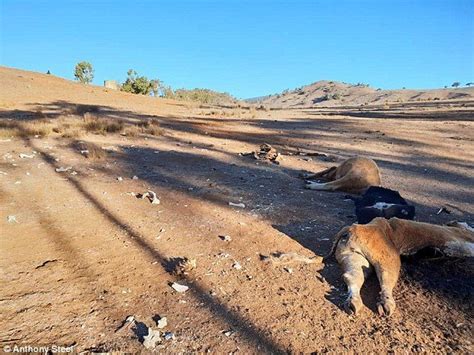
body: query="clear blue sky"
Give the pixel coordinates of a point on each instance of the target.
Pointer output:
(247, 48)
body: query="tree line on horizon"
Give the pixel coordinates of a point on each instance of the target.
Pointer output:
(141, 85)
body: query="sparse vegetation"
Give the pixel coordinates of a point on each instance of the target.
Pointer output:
(204, 96)
(455, 84)
(140, 84)
(84, 72)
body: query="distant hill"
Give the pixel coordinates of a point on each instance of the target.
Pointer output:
(333, 93)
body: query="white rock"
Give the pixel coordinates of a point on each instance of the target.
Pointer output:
(120, 178)
(179, 288)
(63, 169)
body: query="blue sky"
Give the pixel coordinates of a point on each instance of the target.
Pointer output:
(246, 48)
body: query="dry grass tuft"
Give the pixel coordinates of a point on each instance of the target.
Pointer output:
(89, 150)
(95, 124)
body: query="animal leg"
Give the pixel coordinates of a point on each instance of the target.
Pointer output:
(318, 174)
(329, 186)
(355, 268)
(387, 273)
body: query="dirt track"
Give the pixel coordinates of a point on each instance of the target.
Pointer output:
(85, 254)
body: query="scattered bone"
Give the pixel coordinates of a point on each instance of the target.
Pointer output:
(151, 339)
(11, 219)
(288, 258)
(225, 238)
(26, 156)
(266, 152)
(237, 266)
(240, 205)
(151, 195)
(63, 169)
(162, 322)
(179, 288)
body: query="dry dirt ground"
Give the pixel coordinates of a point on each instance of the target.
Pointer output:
(84, 253)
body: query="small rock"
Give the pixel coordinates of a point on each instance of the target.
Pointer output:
(63, 169)
(135, 177)
(225, 238)
(288, 270)
(120, 178)
(179, 288)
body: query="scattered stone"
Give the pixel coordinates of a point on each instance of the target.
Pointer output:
(11, 219)
(240, 205)
(63, 169)
(3, 173)
(119, 178)
(179, 288)
(135, 177)
(225, 238)
(288, 270)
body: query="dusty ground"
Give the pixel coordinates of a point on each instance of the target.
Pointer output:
(84, 253)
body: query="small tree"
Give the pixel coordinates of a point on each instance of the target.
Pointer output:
(470, 84)
(455, 84)
(84, 72)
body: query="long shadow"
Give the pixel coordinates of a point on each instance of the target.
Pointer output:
(189, 174)
(253, 335)
(313, 227)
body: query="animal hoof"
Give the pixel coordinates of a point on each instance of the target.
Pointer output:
(386, 307)
(353, 305)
